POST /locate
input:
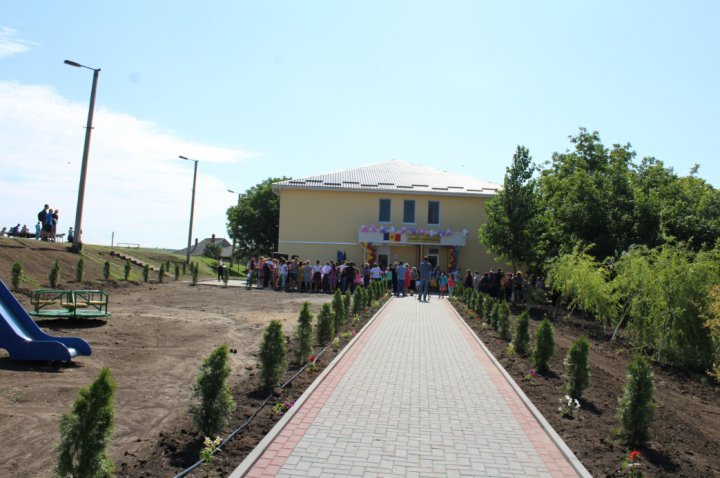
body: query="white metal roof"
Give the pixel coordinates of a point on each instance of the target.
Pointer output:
(394, 176)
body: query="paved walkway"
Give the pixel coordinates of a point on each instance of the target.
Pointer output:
(416, 394)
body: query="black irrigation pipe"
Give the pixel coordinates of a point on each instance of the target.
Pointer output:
(250, 418)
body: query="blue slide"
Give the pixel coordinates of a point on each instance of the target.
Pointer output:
(24, 340)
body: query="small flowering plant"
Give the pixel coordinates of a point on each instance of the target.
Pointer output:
(281, 407)
(531, 374)
(510, 350)
(209, 448)
(631, 464)
(568, 407)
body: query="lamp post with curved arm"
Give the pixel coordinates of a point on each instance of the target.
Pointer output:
(192, 208)
(77, 239)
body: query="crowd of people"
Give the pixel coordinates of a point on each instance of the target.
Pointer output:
(45, 228)
(402, 278)
(503, 285)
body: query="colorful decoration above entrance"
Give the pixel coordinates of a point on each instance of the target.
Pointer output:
(386, 230)
(411, 236)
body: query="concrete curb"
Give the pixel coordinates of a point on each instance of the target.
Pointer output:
(556, 439)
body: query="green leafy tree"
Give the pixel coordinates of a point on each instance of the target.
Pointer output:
(85, 433)
(325, 325)
(544, 346)
(272, 355)
(212, 403)
(177, 271)
(588, 197)
(303, 334)
(106, 271)
(347, 299)
(487, 309)
(128, 266)
(80, 270)
(161, 273)
(521, 339)
(577, 368)
(357, 300)
(503, 323)
(17, 271)
(513, 219)
(145, 272)
(194, 271)
(664, 292)
(583, 282)
(54, 277)
(338, 308)
(255, 220)
(495, 315)
(213, 250)
(637, 405)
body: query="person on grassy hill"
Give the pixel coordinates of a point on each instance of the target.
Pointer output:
(55, 216)
(47, 225)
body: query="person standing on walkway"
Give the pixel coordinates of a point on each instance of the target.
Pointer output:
(401, 272)
(424, 271)
(443, 284)
(221, 270)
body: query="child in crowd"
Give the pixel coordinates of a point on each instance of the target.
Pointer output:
(451, 284)
(443, 284)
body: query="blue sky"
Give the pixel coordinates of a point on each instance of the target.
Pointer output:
(286, 88)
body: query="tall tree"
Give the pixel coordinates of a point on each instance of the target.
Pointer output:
(512, 222)
(255, 221)
(590, 197)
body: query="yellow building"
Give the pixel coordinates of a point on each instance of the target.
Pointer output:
(386, 212)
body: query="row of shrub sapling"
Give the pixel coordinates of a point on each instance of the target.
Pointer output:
(16, 273)
(85, 432)
(636, 405)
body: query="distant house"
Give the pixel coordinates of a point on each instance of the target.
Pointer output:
(198, 248)
(386, 212)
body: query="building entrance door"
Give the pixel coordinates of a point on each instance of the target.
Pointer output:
(433, 256)
(383, 256)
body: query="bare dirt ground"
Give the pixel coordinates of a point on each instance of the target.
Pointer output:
(153, 344)
(159, 334)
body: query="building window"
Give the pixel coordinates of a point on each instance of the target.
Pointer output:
(409, 211)
(434, 212)
(384, 215)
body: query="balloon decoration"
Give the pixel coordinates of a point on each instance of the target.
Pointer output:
(370, 252)
(412, 230)
(453, 258)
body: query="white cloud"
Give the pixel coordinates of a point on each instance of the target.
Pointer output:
(136, 186)
(9, 45)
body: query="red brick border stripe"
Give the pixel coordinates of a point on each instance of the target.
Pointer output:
(271, 454)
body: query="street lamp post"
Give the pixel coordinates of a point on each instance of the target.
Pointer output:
(232, 253)
(77, 240)
(192, 208)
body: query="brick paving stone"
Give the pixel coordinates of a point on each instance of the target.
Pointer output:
(416, 395)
